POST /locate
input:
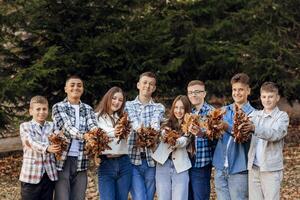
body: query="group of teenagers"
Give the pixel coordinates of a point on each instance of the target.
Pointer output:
(253, 169)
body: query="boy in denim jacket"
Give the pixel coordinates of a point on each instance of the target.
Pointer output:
(230, 157)
(265, 157)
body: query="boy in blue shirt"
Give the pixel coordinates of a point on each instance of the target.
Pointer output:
(230, 157)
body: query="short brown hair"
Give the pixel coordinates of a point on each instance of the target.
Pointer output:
(73, 77)
(148, 74)
(196, 82)
(240, 78)
(269, 87)
(38, 99)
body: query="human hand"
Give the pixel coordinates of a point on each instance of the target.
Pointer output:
(247, 127)
(221, 126)
(139, 130)
(27, 143)
(195, 130)
(53, 148)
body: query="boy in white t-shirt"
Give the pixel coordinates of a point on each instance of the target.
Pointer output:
(74, 118)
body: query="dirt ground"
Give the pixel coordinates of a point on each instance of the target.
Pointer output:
(10, 164)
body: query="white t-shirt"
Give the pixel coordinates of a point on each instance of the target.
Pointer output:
(74, 149)
(226, 154)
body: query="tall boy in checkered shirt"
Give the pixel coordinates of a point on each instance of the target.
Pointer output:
(74, 118)
(38, 171)
(143, 111)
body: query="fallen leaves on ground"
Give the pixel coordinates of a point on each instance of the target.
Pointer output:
(10, 166)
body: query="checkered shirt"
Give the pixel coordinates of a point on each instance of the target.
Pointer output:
(204, 147)
(63, 115)
(36, 161)
(149, 115)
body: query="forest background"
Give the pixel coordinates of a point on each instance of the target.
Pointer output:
(110, 42)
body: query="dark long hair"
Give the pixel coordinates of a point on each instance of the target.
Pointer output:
(172, 121)
(103, 106)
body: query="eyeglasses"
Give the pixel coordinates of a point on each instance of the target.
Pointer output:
(195, 92)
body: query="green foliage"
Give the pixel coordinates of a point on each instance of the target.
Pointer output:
(111, 42)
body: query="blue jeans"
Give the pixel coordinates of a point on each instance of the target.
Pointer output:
(231, 186)
(200, 182)
(114, 177)
(143, 182)
(171, 185)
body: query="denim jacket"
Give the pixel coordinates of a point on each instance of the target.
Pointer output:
(271, 129)
(237, 153)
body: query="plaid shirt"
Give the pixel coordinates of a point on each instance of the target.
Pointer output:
(63, 115)
(149, 115)
(36, 161)
(204, 147)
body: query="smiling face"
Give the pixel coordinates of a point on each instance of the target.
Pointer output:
(116, 102)
(74, 90)
(39, 112)
(179, 110)
(146, 86)
(269, 100)
(196, 94)
(240, 93)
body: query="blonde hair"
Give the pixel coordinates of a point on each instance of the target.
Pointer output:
(269, 87)
(38, 99)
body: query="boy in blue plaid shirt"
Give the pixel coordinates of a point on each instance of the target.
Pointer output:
(143, 111)
(200, 172)
(74, 118)
(38, 171)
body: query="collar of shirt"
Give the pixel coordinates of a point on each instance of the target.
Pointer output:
(69, 104)
(247, 108)
(39, 127)
(35, 123)
(204, 109)
(262, 113)
(108, 117)
(137, 101)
